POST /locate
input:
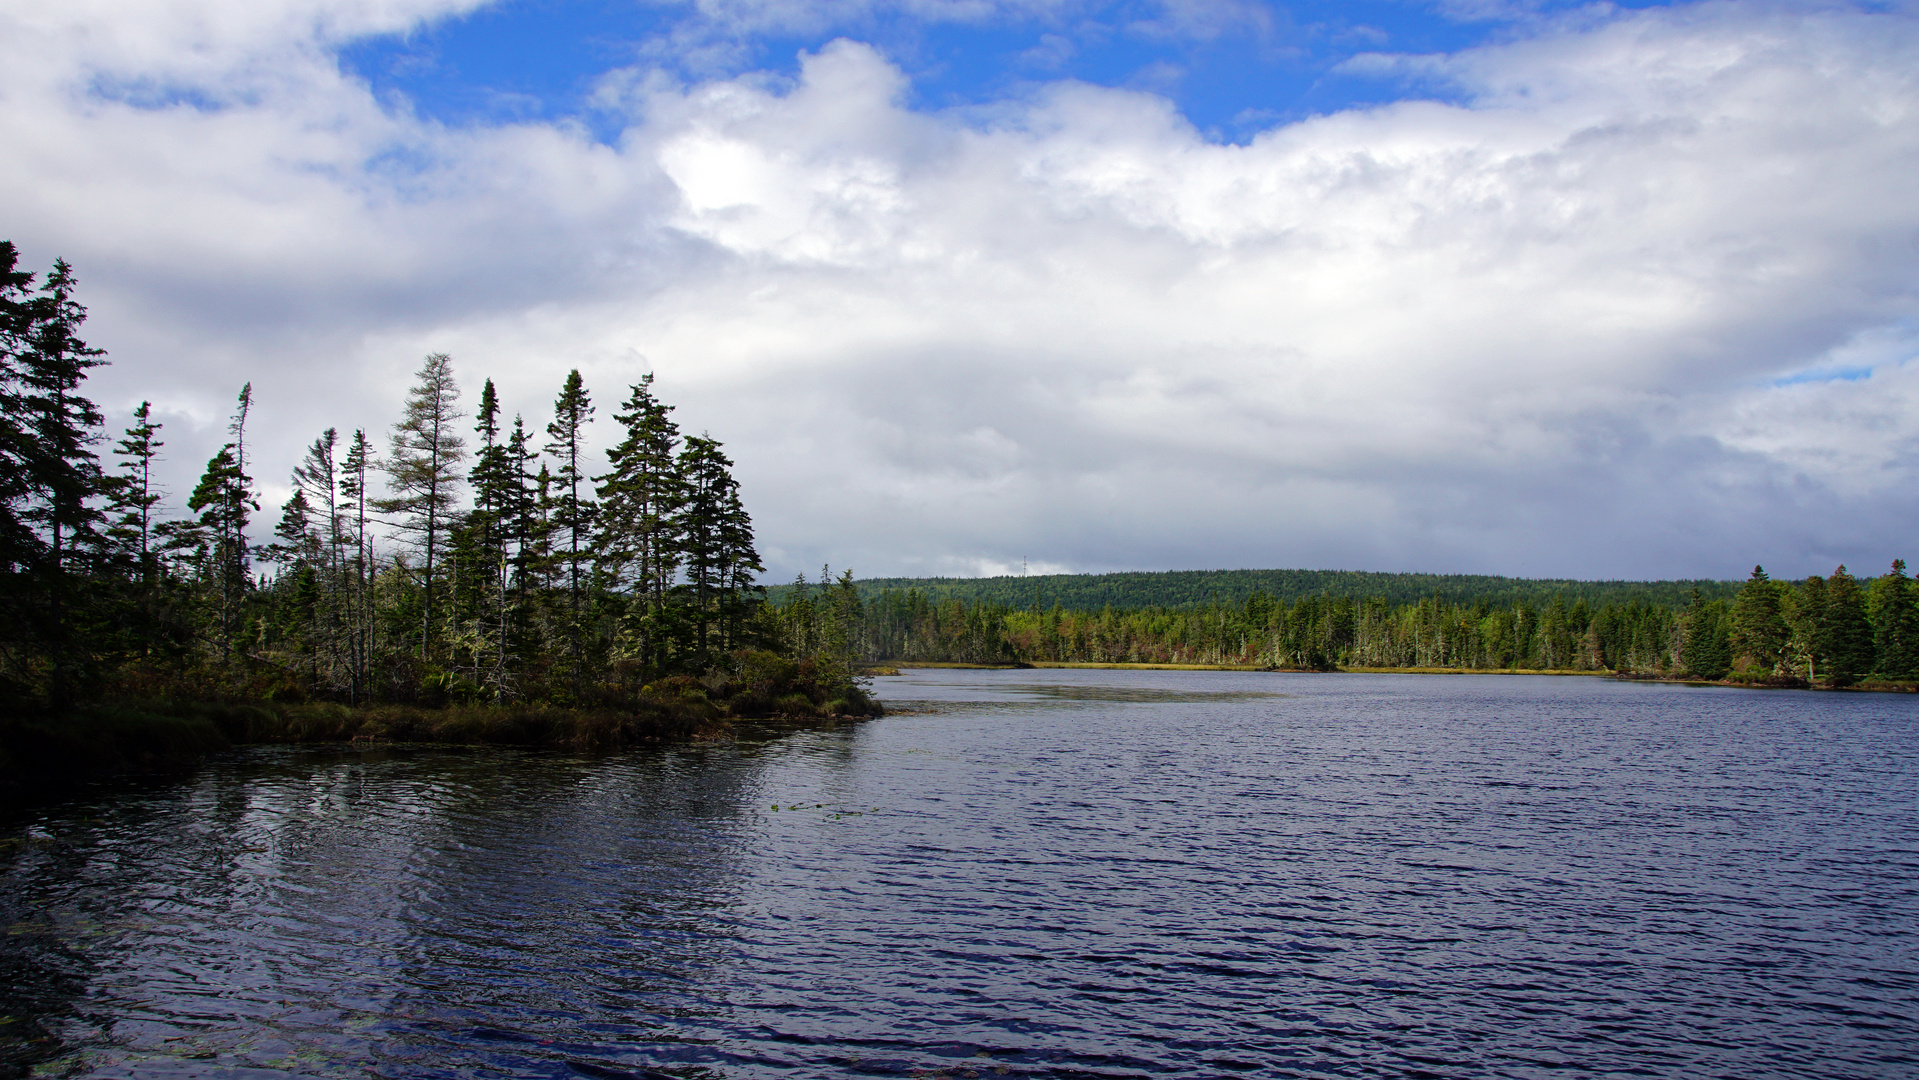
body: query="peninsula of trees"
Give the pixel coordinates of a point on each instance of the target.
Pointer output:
(465, 558)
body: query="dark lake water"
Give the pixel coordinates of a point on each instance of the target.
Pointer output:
(1034, 874)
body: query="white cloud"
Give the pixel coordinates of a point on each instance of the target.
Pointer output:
(1542, 331)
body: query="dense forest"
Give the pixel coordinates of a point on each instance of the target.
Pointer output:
(1200, 588)
(463, 559)
(1833, 630)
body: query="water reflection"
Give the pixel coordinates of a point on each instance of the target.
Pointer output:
(337, 910)
(1059, 874)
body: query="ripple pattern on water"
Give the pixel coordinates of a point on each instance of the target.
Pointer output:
(1043, 874)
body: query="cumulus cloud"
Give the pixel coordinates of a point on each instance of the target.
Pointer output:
(1638, 301)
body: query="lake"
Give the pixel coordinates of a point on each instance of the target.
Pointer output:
(1019, 873)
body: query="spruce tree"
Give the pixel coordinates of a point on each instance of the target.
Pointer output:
(63, 474)
(1846, 635)
(572, 514)
(293, 543)
(500, 499)
(1759, 630)
(362, 567)
(423, 474)
(638, 534)
(1708, 652)
(1806, 616)
(719, 561)
(1895, 620)
(135, 494)
(224, 499)
(740, 591)
(19, 546)
(317, 477)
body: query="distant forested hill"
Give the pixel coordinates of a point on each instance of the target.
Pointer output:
(1194, 588)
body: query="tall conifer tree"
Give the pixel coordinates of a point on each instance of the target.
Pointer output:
(135, 494)
(719, 559)
(63, 473)
(361, 569)
(1759, 629)
(638, 537)
(1895, 620)
(498, 480)
(423, 473)
(1845, 634)
(572, 514)
(224, 499)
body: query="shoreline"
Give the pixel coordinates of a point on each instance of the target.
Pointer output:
(1870, 686)
(901, 665)
(43, 757)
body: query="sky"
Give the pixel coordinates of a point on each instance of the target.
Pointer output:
(967, 286)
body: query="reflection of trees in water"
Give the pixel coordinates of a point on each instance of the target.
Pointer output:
(328, 910)
(42, 977)
(571, 899)
(81, 886)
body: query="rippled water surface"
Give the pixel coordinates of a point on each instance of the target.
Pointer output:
(1031, 873)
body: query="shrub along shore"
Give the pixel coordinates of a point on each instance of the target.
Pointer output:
(44, 756)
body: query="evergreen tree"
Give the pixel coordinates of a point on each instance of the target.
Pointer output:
(317, 479)
(63, 474)
(423, 474)
(740, 593)
(19, 546)
(846, 619)
(359, 571)
(498, 480)
(572, 515)
(1759, 629)
(224, 499)
(1708, 650)
(1845, 634)
(717, 545)
(638, 537)
(134, 494)
(524, 495)
(1806, 615)
(293, 541)
(1895, 620)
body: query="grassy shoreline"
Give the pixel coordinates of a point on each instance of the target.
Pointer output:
(44, 755)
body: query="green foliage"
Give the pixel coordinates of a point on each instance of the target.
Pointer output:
(1759, 632)
(1179, 589)
(571, 515)
(1708, 644)
(529, 597)
(1843, 634)
(640, 534)
(1894, 611)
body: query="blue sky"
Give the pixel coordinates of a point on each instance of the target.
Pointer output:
(1232, 68)
(1532, 289)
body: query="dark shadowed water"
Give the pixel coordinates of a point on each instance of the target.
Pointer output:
(1044, 874)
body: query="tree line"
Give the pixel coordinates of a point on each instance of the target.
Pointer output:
(1833, 630)
(1199, 588)
(465, 557)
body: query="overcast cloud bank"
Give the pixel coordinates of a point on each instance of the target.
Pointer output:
(1640, 303)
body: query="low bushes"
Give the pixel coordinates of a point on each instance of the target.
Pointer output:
(42, 755)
